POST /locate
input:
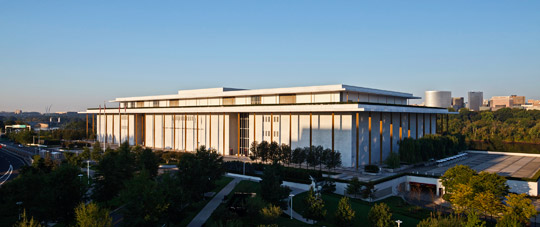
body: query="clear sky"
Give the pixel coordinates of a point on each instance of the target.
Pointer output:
(77, 54)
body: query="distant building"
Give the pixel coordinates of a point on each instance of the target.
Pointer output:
(458, 103)
(475, 100)
(498, 102)
(518, 100)
(438, 99)
(18, 111)
(533, 102)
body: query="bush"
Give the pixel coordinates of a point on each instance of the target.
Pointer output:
(254, 205)
(393, 160)
(380, 215)
(372, 168)
(270, 212)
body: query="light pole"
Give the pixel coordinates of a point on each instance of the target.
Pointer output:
(88, 171)
(398, 222)
(80, 177)
(291, 198)
(19, 205)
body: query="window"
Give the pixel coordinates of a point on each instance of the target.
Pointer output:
(256, 99)
(174, 103)
(140, 104)
(276, 119)
(287, 99)
(155, 104)
(228, 101)
(276, 133)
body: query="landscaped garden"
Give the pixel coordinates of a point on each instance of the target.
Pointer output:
(410, 215)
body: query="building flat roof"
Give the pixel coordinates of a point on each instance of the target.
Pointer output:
(507, 165)
(235, 92)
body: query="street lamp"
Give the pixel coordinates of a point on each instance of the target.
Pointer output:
(399, 222)
(19, 205)
(291, 198)
(88, 171)
(80, 176)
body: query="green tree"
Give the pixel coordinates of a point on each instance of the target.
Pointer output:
(344, 214)
(380, 216)
(473, 220)
(354, 187)
(114, 168)
(144, 204)
(145, 159)
(315, 207)
(202, 169)
(286, 154)
(263, 149)
(97, 152)
(65, 190)
(333, 160)
(298, 156)
(489, 182)
(459, 174)
(270, 212)
(25, 222)
(175, 197)
(91, 215)
(437, 220)
(271, 189)
(519, 207)
(254, 152)
(85, 154)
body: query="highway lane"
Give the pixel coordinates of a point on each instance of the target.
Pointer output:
(9, 161)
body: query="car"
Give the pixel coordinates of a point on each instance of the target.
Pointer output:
(20, 145)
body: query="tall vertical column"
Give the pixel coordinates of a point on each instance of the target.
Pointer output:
(224, 134)
(381, 138)
(197, 130)
(174, 131)
(154, 131)
(271, 127)
(290, 130)
(357, 137)
(391, 132)
(332, 131)
(254, 126)
(369, 141)
(423, 124)
(185, 132)
(238, 135)
(94, 124)
(310, 130)
(163, 131)
(416, 130)
(400, 128)
(86, 126)
(135, 129)
(409, 125)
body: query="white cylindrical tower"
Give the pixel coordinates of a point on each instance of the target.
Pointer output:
(438, 99)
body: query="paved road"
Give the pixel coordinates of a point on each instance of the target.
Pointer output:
(9, 166)
(205, 213)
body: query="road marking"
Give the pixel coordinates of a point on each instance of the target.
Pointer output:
(8, 174)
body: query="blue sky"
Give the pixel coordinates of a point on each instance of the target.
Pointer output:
(76, 54)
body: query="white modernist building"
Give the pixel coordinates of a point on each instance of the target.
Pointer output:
(363, 124)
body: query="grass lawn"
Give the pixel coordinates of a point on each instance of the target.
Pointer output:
(410, 215)
(249, 186)
(191, 211)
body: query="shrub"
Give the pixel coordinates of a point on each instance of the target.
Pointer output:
(393, 160)
(371, 168)
(344, 213)
(380, 215)
(270, 212)
(254, 205)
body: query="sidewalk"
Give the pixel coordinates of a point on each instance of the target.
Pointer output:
(297, 216)
(205, 213)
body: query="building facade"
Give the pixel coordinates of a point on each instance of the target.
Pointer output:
(438, 99)
(475, 100)
(363, 124)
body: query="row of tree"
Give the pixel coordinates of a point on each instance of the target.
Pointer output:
(313, 156)
(430, 147)
(506, 124)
